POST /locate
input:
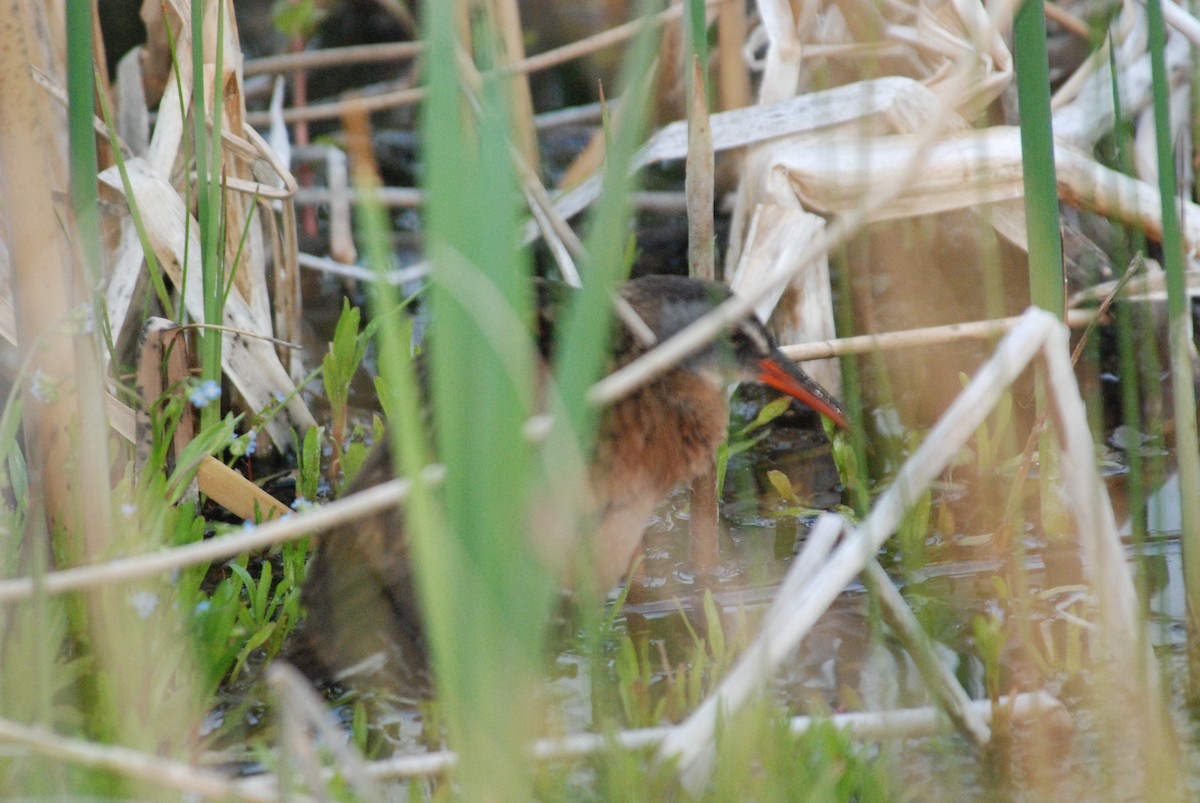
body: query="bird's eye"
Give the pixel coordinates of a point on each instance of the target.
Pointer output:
(751, 341)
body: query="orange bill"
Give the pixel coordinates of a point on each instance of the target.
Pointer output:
(782, 374)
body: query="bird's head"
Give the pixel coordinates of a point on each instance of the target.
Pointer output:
(746, 353)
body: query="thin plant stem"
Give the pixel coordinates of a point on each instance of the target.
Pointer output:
(1181, 345)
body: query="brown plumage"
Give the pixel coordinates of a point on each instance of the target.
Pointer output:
(364, 620)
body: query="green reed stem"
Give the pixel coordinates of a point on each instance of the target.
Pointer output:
(1037, 157)
(1180, 329)
(81, 89)
(1131, 412)
(486, 591)
(208, 194)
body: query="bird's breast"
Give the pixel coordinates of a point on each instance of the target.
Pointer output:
(648, 443)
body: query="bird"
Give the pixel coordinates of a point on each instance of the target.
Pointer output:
(364, 623)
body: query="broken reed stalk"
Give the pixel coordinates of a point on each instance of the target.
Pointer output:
(175, 775)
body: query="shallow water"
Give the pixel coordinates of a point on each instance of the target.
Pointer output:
(849, 662)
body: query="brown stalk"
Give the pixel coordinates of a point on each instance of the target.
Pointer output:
(333, 57)
(698, 180)
(733, 80)
(511, 52)
(698, 187)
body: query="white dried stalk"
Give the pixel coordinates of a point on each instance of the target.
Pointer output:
(1148, 286)
(905, 723)
(1145, 146)
(933, 335)
(133, 118)
(164, 772)
(781, 77)
(1090, 116)
(1087, 498)
(1181, 20)
(367, 502)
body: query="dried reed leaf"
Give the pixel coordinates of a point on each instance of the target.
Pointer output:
(961, 170)
(235, 493)
(776, 239)
(133, 118)
(162, 364)
(884, 104)
(250, 363)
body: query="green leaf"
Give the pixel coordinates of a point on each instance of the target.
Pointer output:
(256, 641)
(769, 413)
(782, 485)
(210, 440)
(264, 588)
(352, 458)
(297, 20)
(309, 467)
(344, 355)
(716, 628)
(722, 464)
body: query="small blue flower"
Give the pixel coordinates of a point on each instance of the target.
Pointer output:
(144, 603)
(84, 318)
(245, 444)
(37, 386)
(203, 605)
(208, 391)
(128, 509)
(299, 502)
(279, 397)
